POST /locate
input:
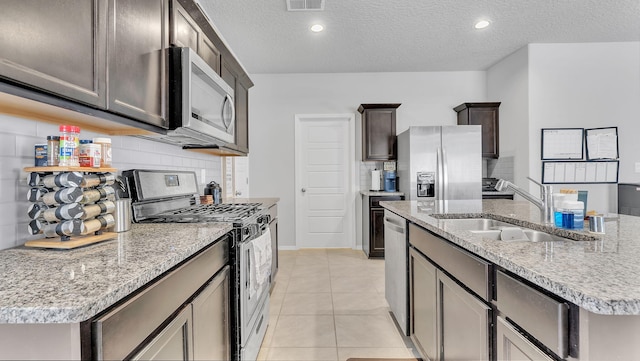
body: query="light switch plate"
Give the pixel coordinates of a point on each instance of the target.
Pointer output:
(637, 167)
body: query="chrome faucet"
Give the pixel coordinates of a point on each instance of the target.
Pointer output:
(545, 202)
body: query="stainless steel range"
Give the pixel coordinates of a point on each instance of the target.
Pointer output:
(169, 197)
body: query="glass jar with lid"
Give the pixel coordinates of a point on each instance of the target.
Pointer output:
(105, 150)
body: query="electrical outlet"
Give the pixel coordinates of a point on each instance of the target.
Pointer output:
(637, 167)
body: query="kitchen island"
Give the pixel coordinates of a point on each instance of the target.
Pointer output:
(596, 273)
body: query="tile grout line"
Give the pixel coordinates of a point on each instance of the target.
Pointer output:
(333, 311)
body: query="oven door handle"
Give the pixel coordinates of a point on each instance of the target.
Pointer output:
(248, 281)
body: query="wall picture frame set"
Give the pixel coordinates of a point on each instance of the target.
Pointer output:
(563, 155)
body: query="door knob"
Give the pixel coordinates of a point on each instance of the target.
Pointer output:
(304, 190)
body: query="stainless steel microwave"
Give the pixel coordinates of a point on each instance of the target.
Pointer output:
(201, 105)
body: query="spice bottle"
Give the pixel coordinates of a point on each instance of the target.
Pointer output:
(69, 146)
(89, 154)
(53, 150)
(105, 150)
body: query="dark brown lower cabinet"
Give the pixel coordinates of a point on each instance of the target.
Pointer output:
(373, 224)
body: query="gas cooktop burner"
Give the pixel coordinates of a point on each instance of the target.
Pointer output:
(230, 212)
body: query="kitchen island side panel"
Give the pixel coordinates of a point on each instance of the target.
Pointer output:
(52, 341)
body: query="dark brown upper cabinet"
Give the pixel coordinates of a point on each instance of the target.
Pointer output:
(137, 63)
(378, 131)
(185, 32)
(486, 115)
(106, 54)
(57, 46)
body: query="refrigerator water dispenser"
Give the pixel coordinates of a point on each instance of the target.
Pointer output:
(426, 184)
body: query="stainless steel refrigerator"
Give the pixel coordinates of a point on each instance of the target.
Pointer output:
(441, 163)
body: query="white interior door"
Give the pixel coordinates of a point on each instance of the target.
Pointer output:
(324, 181)
(235, 172)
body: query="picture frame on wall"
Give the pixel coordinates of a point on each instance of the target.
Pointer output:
(562, 143)
(602, 143)
(580, 172)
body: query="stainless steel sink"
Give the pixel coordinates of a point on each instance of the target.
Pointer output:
(477, 224)
(530, 235)
(493, 229)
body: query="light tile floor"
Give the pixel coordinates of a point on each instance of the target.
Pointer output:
(329, 304)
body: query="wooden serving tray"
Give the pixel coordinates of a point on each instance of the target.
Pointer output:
(74, 242)
(70, 169)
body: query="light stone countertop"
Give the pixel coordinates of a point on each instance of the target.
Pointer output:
(599, 273)
(69, 286)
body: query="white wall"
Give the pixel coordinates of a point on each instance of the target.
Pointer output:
(508, 82)
(568, 85)
(17, 137)
(427, 99)
(587, 86)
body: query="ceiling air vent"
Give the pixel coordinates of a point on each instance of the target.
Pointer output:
(305, 5)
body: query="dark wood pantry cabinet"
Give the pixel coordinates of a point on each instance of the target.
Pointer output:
(486, 115)
(378, 131)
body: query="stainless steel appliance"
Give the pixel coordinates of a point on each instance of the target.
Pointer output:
(396, 270)
(440, 163)
(201, 105)
(629, 199)
(168, 196)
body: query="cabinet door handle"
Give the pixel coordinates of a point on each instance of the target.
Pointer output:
(303, 190)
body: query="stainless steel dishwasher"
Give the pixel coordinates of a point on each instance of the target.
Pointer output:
(396, 273)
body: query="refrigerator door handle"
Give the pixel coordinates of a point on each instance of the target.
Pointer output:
(445, 177)
(440, 191)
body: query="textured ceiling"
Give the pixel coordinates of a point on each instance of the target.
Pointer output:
(408, 36)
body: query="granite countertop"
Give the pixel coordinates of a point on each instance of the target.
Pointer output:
(380, 193)
(69, 286)
(596, 272)
(497, 193)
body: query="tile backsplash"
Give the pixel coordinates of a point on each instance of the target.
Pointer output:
(501, 168)
(18, 136)
(365, 173)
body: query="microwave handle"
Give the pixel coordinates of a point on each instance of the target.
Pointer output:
(227, 121)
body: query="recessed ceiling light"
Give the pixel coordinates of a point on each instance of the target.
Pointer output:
(482, 24)
(316, 28)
